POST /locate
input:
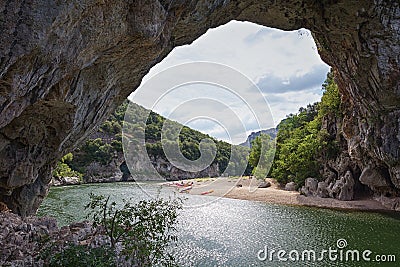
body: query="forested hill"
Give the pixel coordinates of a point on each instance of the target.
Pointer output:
(101, 157)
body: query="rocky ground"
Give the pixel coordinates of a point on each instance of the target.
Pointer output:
(22, 240)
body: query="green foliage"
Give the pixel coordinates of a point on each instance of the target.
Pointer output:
(111, 127)
(261, 155)
(144, 229)
(302, 143)
(107, 142)
(188, 139)
(95, 150)
(63, 169)
(238, 163)
(330, 101)
(104, 147)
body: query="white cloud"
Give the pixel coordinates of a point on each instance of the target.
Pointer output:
(285, 66)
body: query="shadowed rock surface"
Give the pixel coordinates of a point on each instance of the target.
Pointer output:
(65, 65)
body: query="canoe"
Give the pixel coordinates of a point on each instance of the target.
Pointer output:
(184, 184)
(207, 192)
(185, 190)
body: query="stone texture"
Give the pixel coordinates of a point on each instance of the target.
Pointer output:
(97, 172)
(373, 178)
(342, 188)
(19, 239)
(65, 65)
(22, 239)
(264, 184)
(172, 173)
(310, 187)
(322, 190)
(291, 186)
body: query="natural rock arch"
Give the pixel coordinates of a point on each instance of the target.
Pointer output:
(65, 65)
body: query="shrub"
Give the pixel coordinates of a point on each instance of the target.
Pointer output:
(138, 235)
(62, 169)
(144, 229)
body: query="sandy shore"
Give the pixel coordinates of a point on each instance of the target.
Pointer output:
(247, 189)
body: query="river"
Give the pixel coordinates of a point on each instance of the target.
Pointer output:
(228, 232)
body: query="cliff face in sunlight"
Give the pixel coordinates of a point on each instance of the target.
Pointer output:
(65, 65)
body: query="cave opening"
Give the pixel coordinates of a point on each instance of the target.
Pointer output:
(93, 66)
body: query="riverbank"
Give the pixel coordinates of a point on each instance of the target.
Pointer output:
(247, 189)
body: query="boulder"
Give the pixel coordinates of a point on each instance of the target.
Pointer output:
(264, 184)
(310, 187)
(322, 190)
(290, 186)
(373, 177)
(343, 188)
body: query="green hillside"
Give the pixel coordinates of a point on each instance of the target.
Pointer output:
(106, 144)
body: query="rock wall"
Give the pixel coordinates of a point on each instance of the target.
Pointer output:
(156, 166)
(339, 172)
(117, 171)
(172, 173)
(65, 65)
(114, 171)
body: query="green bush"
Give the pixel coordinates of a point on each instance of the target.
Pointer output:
(144, 229)
(261, 155)
(62, 168)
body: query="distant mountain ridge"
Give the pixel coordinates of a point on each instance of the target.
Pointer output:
(272, 132)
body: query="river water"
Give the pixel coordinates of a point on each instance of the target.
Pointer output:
(227, 232)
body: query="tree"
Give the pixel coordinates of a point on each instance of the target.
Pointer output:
(62, 168)
(262, 155)
(143, 229)
(301, 142)
(138, 234)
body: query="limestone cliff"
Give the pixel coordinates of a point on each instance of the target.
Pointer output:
(143, 172)
(117, 171)
(65, 65)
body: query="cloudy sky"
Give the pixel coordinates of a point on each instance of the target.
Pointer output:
(284, 65)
